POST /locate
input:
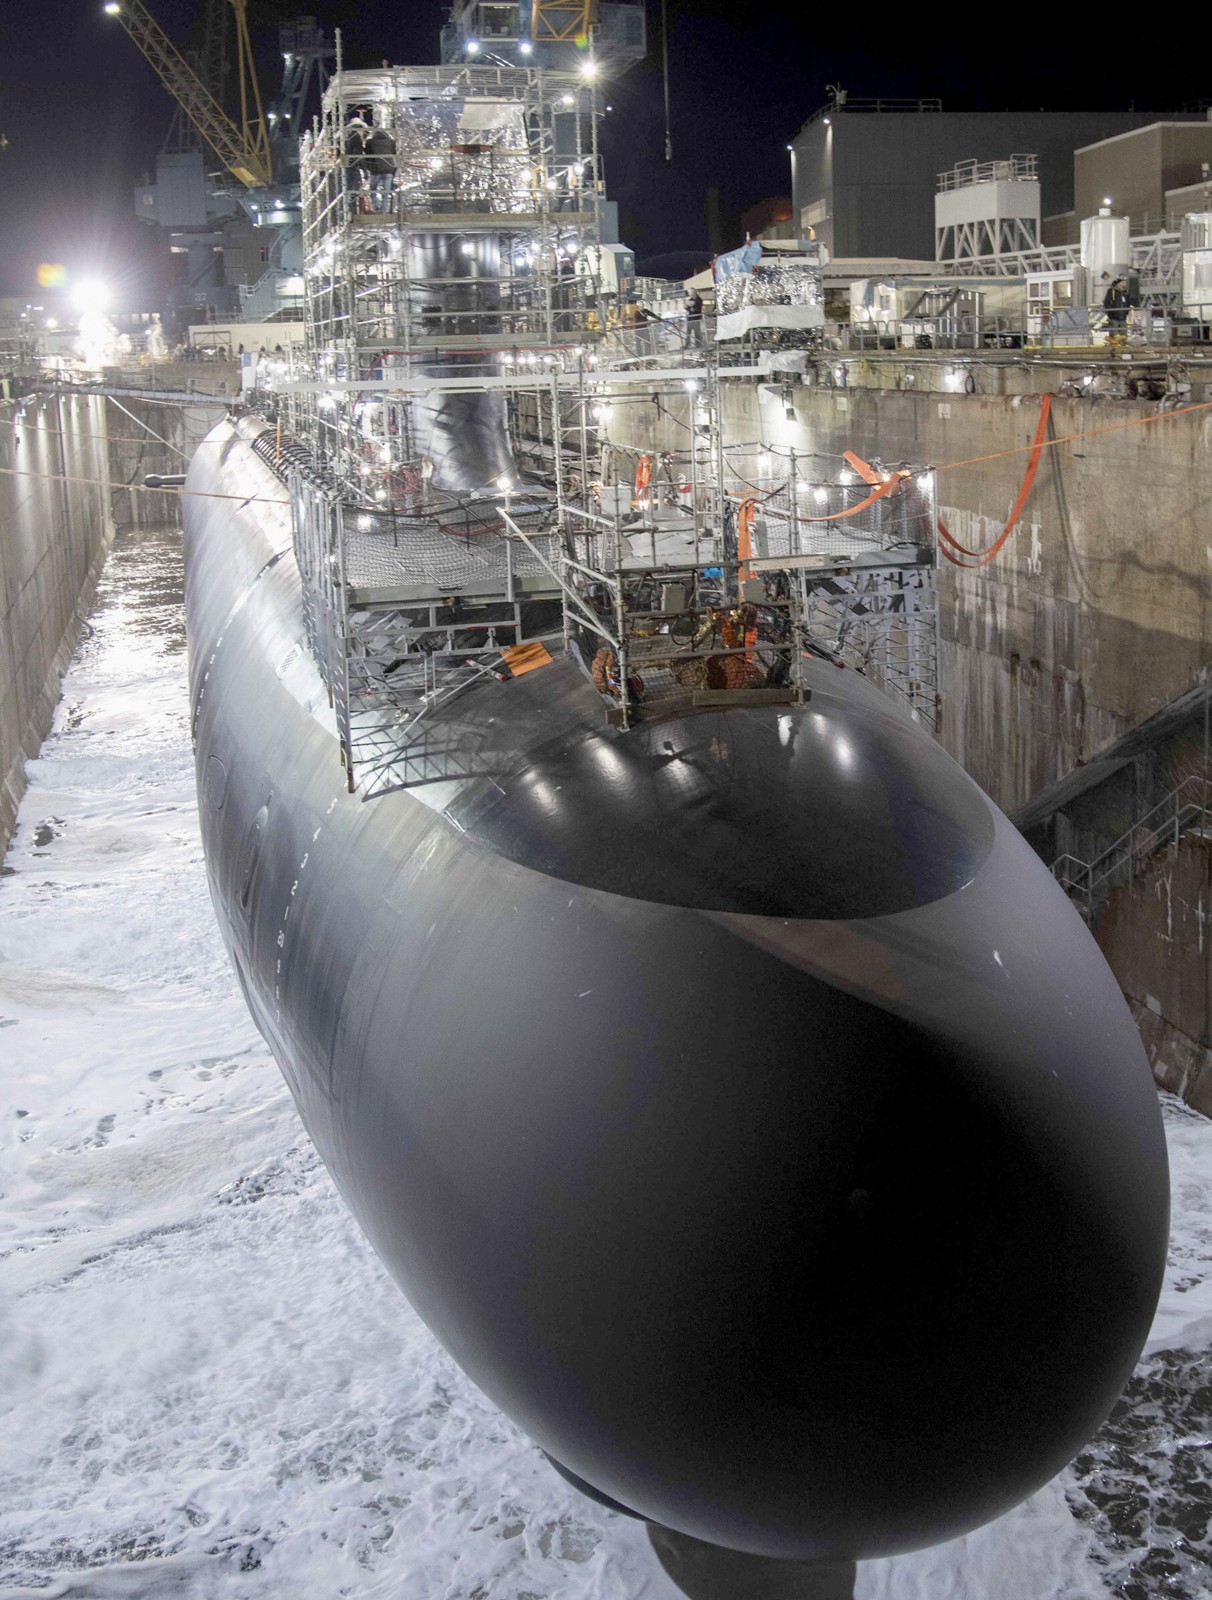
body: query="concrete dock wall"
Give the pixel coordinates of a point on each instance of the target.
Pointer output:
(1097, 612)
(1154, 932)
(55, 530)
(71, 475)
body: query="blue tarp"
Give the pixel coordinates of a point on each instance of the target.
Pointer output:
(742, 260)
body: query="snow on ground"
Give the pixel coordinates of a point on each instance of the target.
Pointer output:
(208, 1386)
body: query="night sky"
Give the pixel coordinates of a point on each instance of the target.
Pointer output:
(84, 114)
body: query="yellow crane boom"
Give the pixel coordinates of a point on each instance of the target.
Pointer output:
(562, 21)
(243, 150)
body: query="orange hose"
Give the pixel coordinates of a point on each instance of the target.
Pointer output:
(864, 468)
(981, 558)
(887, 483)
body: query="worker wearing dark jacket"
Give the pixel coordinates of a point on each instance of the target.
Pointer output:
(380, 166)
(1117, 304)
(694, 319)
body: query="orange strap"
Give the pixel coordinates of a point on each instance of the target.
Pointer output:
(744, 551)
(864, 468)
(744, 536)
(882, 483)
(886, 486)
(981, 558)
(643, 474)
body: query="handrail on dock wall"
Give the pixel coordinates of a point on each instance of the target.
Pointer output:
(1180, 811)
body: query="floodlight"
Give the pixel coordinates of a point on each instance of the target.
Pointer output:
(90, 294)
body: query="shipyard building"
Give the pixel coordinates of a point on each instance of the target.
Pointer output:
(864, 172)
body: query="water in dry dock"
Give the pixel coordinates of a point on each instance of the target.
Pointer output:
(208, 1386)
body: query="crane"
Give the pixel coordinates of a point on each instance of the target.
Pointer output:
(243, 148)
(561, 21)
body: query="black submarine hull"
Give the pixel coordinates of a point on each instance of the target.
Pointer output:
(738, 1100)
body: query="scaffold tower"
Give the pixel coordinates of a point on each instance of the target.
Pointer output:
(486, 456)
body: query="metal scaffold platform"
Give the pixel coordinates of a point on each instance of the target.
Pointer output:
(483, 461)
(705, 575)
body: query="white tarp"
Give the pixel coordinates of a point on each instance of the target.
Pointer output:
(738, 323)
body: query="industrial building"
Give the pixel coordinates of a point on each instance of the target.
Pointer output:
(1153, 175)
(864, 172)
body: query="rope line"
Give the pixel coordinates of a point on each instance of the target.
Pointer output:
(1034, 451)
(1071, 438)
(143, 488)
(157, 436)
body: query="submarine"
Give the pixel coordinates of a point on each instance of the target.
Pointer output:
(732, 1091)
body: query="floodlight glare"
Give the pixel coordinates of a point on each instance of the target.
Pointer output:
(473, 47)
(90, 294)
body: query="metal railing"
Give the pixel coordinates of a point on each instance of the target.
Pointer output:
(1014, 263)
(1184, 808)
(848, 102)
(965, 173)
(648, 341)
(951, 331)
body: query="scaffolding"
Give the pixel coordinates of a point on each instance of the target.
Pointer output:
(463, 476)
(707, 573)
(698, 576)
(448, 219)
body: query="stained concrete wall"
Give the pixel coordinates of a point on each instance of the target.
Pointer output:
(1098, 611)
(55, 530)
(71, 473)
(1156, 935)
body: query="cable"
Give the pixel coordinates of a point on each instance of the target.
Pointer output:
(665, 71)
(1069, 438)
(159, 437)
(143, 488)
